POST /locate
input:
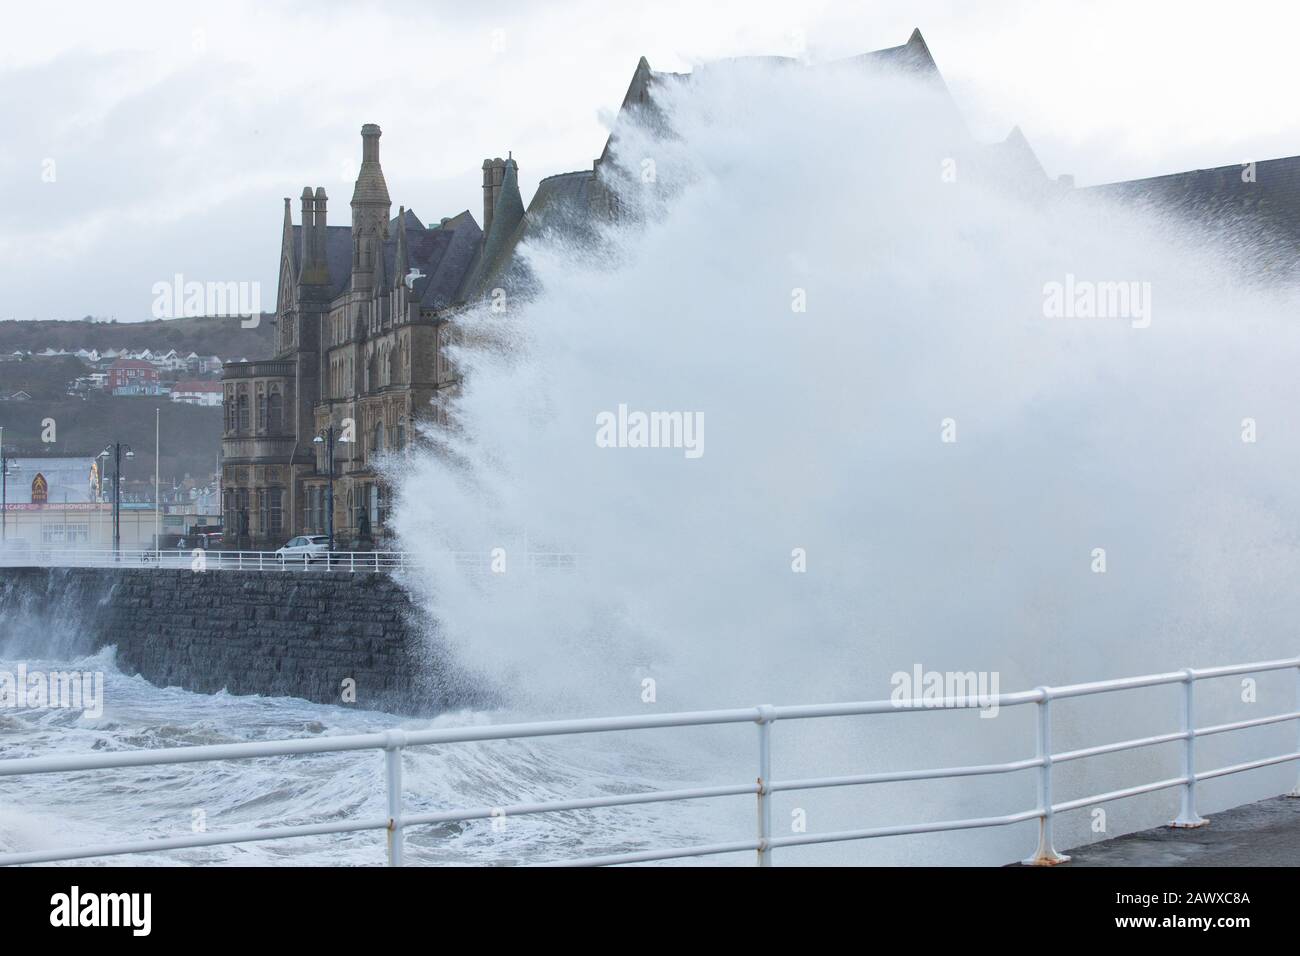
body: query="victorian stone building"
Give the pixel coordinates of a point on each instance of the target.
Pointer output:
(365, 310)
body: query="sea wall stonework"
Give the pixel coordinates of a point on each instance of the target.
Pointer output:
(298, 634)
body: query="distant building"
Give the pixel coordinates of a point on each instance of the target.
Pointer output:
(129, 373)
(206, 393)
(130, 391)
(52, 479)
(60, 501)
(363, 315)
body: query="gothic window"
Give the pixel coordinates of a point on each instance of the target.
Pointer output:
(275, 410)
(243, 408)
(241, 512)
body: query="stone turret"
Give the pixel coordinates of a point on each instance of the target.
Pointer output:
(371, 209)
(494, 175)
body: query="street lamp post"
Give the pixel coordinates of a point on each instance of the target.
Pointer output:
(326, 437)
(116, 450)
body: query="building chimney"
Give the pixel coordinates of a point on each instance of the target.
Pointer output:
(494, 174)
(320, 224)
(308, 253)
(370, 134)
(489, 198)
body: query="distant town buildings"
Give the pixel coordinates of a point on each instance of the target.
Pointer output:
(127, 372)
(197, 393)
(65, 501)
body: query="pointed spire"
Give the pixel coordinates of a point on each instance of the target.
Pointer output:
(286, 231)
(370, 211)
(403, 261)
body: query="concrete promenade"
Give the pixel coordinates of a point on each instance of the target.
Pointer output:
(1266, 833)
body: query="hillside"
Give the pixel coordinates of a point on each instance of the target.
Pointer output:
(44, 378)
(202, 335)
(191, 436)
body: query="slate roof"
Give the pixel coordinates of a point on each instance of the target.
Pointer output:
(913, 57)
(442, 253)
(1265, 213)
(1274, 195)
(560, 205)
(338, 255)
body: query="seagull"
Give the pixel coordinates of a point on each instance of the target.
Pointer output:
(412, 276)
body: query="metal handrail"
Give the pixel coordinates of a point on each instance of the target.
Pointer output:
(393, 742)
(199, 559)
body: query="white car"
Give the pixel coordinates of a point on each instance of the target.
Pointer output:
(305, 548)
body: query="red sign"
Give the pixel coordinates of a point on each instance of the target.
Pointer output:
(69, 506)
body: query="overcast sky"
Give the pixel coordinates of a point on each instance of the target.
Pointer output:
(176, 128)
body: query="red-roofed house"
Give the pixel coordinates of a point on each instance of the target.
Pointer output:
(133, 377)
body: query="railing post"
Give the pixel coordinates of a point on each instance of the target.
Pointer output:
(1187, 817)
(393, 776)
(766, 714)
(1296, 791)
(1046, 854)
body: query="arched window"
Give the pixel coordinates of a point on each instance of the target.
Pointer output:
(243, 408)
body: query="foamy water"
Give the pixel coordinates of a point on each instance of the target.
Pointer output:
(83, 809)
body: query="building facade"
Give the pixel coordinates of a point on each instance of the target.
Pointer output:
(365, 313)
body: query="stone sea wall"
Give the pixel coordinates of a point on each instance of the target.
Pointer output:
(297, 634)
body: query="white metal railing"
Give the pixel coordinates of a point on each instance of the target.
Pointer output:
(197, 559)
(396, 821)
